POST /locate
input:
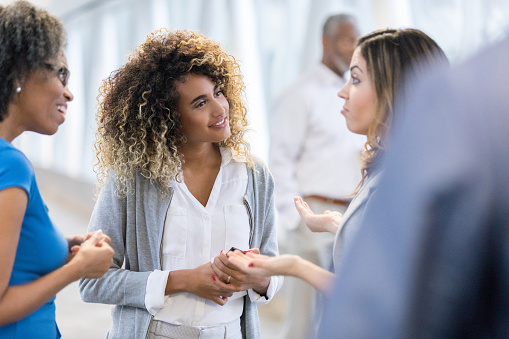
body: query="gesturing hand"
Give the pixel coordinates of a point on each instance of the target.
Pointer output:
(327, 222)
(231, 273)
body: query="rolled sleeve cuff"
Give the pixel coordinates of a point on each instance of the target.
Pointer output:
(154, 293)
(274, 286)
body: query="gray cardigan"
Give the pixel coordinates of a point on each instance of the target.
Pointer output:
(135, 224)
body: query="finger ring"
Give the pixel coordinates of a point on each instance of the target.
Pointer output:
(228, 280)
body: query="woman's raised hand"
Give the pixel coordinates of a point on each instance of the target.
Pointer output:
(327, 222)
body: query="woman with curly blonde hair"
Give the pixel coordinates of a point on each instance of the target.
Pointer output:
(179, 188)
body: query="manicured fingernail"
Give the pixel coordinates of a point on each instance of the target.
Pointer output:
(251, 264)
(248, 251)
(214, 277)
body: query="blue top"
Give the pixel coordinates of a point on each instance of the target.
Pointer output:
(41, 248)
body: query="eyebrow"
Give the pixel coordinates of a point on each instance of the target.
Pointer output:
(203, 96)
(360, 70)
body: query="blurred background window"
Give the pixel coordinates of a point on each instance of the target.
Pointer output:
(275, 41)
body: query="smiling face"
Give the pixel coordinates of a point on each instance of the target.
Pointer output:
(203, 109)
(360, 96)
(43, 99)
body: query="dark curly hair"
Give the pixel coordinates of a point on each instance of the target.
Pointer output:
(28, 37)
(139, 128)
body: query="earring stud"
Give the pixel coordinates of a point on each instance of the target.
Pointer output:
(18, 89)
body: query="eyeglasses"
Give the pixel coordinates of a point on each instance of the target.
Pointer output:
(62, 72)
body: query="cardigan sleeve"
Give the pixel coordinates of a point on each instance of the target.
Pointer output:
(264, 236)
(265, 229)
(119, 286)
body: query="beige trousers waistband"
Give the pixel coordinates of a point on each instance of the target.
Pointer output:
(160, 330)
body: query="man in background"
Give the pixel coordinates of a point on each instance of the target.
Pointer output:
(314, 155)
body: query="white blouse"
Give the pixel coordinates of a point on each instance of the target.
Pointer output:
(193, 234)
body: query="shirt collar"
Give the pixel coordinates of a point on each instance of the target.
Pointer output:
(227, 156)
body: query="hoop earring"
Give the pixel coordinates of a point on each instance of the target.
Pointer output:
(18, 89)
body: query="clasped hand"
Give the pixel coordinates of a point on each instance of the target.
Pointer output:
(75, 241)
(201, 283)
(230, 273)
(93, 253)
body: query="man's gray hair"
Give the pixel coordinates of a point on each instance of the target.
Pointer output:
(336, 19)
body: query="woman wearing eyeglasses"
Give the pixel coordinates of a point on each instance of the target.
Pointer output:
(36, 260)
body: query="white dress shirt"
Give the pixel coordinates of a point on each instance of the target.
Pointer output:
(194, 234)
(312, 151)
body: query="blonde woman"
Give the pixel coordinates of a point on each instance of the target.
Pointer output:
(378, 69)
(179, 189)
